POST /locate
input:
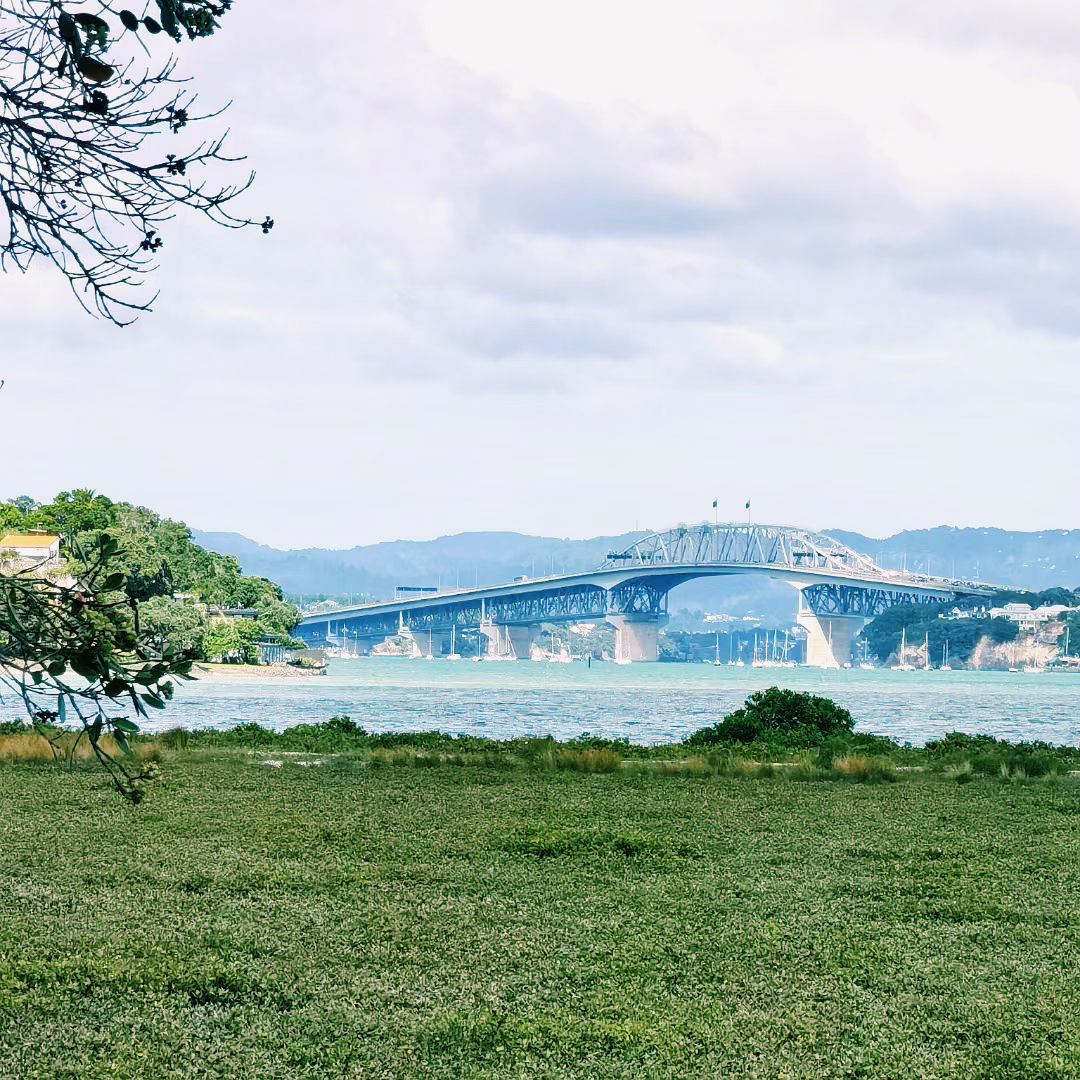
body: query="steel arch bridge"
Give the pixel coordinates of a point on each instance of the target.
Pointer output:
(833, 580)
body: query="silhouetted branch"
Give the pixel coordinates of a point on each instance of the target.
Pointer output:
(79, 184)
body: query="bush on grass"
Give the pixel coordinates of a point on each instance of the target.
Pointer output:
(984, 755)
(788, 719)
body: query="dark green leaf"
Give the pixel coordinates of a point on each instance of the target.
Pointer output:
(121, 741)
(94, 70)
(69, 34)
(129, 20)
(81, 666)
(122, 723)
(152, 25)
(153, 701)
(114, 581)
(115, 687)
(91, 22)
(168, 17)
(57, 668)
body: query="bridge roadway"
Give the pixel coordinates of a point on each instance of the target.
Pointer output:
(839, 590)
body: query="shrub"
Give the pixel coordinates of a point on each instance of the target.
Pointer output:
(876, 746)
(789, 718)
(986, 756)
(249, 734)
(174, 739)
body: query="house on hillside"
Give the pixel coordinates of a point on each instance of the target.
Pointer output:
(1029, 620)
(29, 549)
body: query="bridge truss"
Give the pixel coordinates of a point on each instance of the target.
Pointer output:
(777, 546)
(568, 604)
(830, 599)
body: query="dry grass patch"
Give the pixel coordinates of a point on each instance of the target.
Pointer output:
(25, 746)
(864, 768)
(589, 761)
(65, 745)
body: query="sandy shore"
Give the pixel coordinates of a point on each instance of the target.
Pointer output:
(254, 671)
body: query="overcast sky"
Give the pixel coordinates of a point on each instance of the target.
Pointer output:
(572, 268)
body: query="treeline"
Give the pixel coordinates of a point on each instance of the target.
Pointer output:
(921, 624)
(184, 583)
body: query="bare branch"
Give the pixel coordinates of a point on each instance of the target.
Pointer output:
(85, 182)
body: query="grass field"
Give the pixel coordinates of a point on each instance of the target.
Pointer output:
(367, 919)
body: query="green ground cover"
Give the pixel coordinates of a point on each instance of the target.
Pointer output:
(367, 919)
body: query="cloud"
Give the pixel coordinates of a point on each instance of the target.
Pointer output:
(670, 243)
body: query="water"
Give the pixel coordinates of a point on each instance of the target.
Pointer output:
(646, 703)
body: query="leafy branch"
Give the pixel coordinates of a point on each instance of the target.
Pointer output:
(71, 648)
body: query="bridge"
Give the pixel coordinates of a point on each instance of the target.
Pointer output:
(839, 590)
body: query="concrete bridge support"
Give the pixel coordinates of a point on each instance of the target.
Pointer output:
(829, 638)
(440, 642)
(493, 645)
(504, 642)
(521, 638)
(636, 636)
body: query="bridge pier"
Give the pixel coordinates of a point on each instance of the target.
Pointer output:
(504, 642)
(521, 639)
(829, 637)
(636, 636)
(439, 642)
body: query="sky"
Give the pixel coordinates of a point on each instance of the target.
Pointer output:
(572, 269)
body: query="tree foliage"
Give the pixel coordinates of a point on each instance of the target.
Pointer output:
(72, 648)
(792, 718)
(86, 99)
(98, 639)
(161, 559)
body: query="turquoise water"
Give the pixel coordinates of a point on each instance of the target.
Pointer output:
(647, 703)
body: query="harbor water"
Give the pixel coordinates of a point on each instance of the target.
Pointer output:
(645, 703)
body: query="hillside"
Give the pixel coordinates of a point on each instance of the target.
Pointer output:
(1032, 560)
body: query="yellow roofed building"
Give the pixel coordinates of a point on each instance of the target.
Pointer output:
(29, 549)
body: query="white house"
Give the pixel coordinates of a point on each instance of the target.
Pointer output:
(30, 549)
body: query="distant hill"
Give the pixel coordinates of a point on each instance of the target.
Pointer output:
(1035, 560)
(480, 558)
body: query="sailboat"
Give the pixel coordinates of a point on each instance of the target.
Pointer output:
(903, 665)
(926, 648)
(454, 654)
(945, 657)
(716, 662)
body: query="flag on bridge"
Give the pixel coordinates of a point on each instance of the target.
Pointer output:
(714, 504)
(747, 504)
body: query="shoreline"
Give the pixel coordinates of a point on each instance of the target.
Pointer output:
(204, 670)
